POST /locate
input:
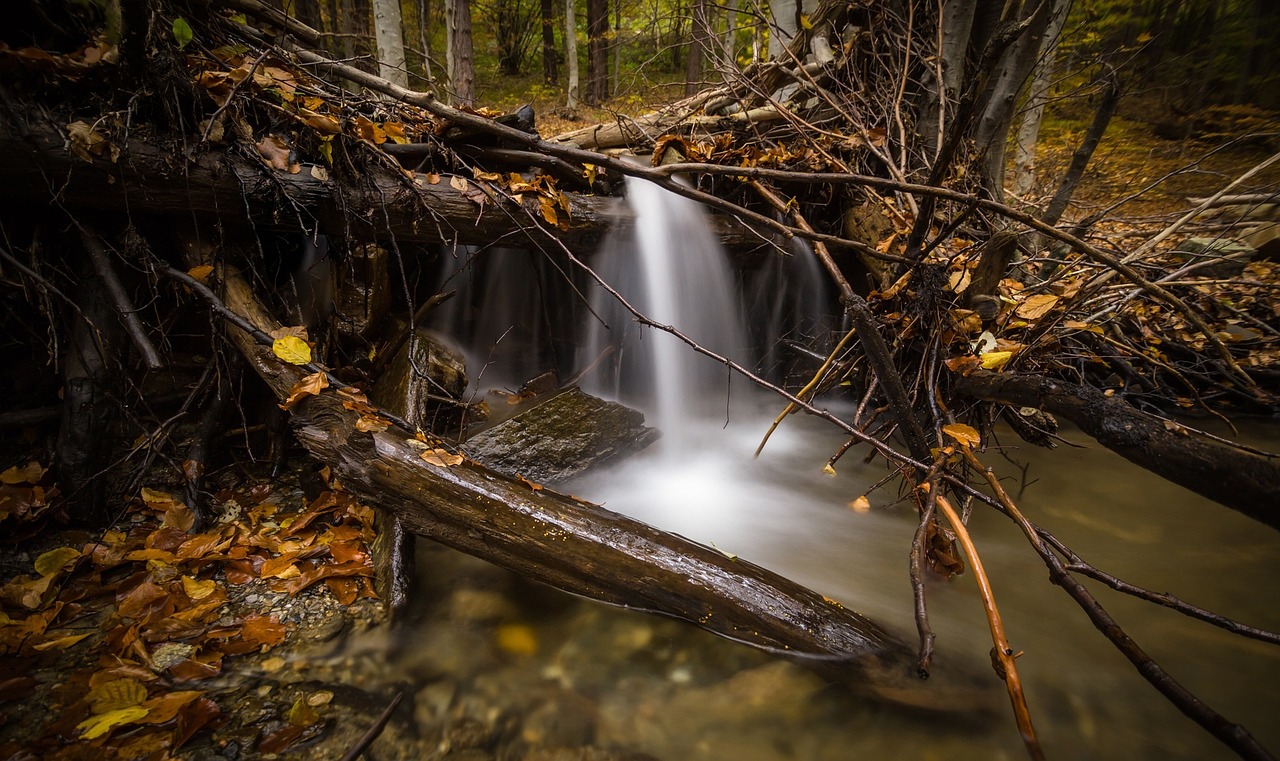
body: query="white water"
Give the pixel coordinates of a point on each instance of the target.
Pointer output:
(670, 267)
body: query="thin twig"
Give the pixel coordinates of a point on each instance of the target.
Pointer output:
(1003, 656)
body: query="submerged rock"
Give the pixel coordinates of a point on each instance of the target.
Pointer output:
(561, 437)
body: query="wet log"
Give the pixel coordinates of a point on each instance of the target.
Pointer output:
(219, 185)
(570, 544)
(1243, 480)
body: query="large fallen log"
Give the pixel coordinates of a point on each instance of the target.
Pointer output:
(217, 183)
(570, 544)
(1241, 479)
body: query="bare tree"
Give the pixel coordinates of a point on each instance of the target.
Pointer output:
(597, 51)
(571, 51)
(550, 57)
(462, 76)
(388, 31)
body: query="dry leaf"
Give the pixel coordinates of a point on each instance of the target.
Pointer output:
(100, 724)
(117, 694)
(198, 589)
(1035, 307)
(201, 272)
(442, 458)
(55, 560)
(311, 385)
(372, 424)
(965, 434)
(861, 504)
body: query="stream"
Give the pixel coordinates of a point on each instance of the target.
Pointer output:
(640, 684)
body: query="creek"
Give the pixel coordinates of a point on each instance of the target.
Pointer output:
(668, 690)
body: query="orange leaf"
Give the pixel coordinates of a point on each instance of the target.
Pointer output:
(311, 385)
(965, 434)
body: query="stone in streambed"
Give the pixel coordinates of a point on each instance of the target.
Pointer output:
(561, 437)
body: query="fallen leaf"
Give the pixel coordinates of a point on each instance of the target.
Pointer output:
(965, 434)
(292, 349)
(827, 469)
(301, 714)
(263, 630)
(197, 589)
(311, 385)
(117, 694)
(372, 423)
(100, 724)
(276, 153)
(31, 473)
(61, 643)
(861, 504)
(517, 639)
(164, 707)
(441, 458)
(55, 560)
(995, 360)
(1035, 307)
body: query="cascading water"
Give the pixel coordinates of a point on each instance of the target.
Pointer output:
(670, 267)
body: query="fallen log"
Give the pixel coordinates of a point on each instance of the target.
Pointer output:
(1243, 480)
(571, 544)
(215, 183)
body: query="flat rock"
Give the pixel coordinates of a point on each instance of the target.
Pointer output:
(561, 437)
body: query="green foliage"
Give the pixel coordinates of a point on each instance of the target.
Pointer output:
(182, 32)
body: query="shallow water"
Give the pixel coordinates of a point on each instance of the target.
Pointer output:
(1087, 701)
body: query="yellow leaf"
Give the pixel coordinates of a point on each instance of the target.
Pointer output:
(301, 714)
(197, 589)
(459, 183)
(441, 457)
(372, 423)
(517, 639)
(31, 473)
(830, 471)
(100, 724)
(61, 643)
(805, 22)
(965, 434)
(117, 694)
(1035, 307)
(994, 360)
(548, 208)
(395, 131)
(292, 350)
(55, 560)
(201, 272)
(861, 504)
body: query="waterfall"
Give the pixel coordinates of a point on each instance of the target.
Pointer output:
(669, 265)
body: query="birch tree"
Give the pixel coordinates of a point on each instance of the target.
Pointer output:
(388, 32)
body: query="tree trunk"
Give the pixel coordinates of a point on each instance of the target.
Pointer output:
(1029, 130)
(388, 31)
(699, 42)
(597, 51)
(462, 76)
(1080, 159)
(997, 116)
(571, 51)
(783, 26)
(550, 62)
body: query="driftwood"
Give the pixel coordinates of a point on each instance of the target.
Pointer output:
(572, 545)
(217, 183)
(1241, 479)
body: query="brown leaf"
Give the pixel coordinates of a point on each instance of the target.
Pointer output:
(345, 589)
(367, 130)
(165, 707)
(263, 630)
(192, 718)
(277, 154)
(442, 458)
(1035, 307)
(311, 385)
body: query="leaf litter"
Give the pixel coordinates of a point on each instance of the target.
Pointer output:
(147, 641)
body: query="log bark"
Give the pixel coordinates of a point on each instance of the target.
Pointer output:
(1245, 481)
(569, 544)
(218, 185)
